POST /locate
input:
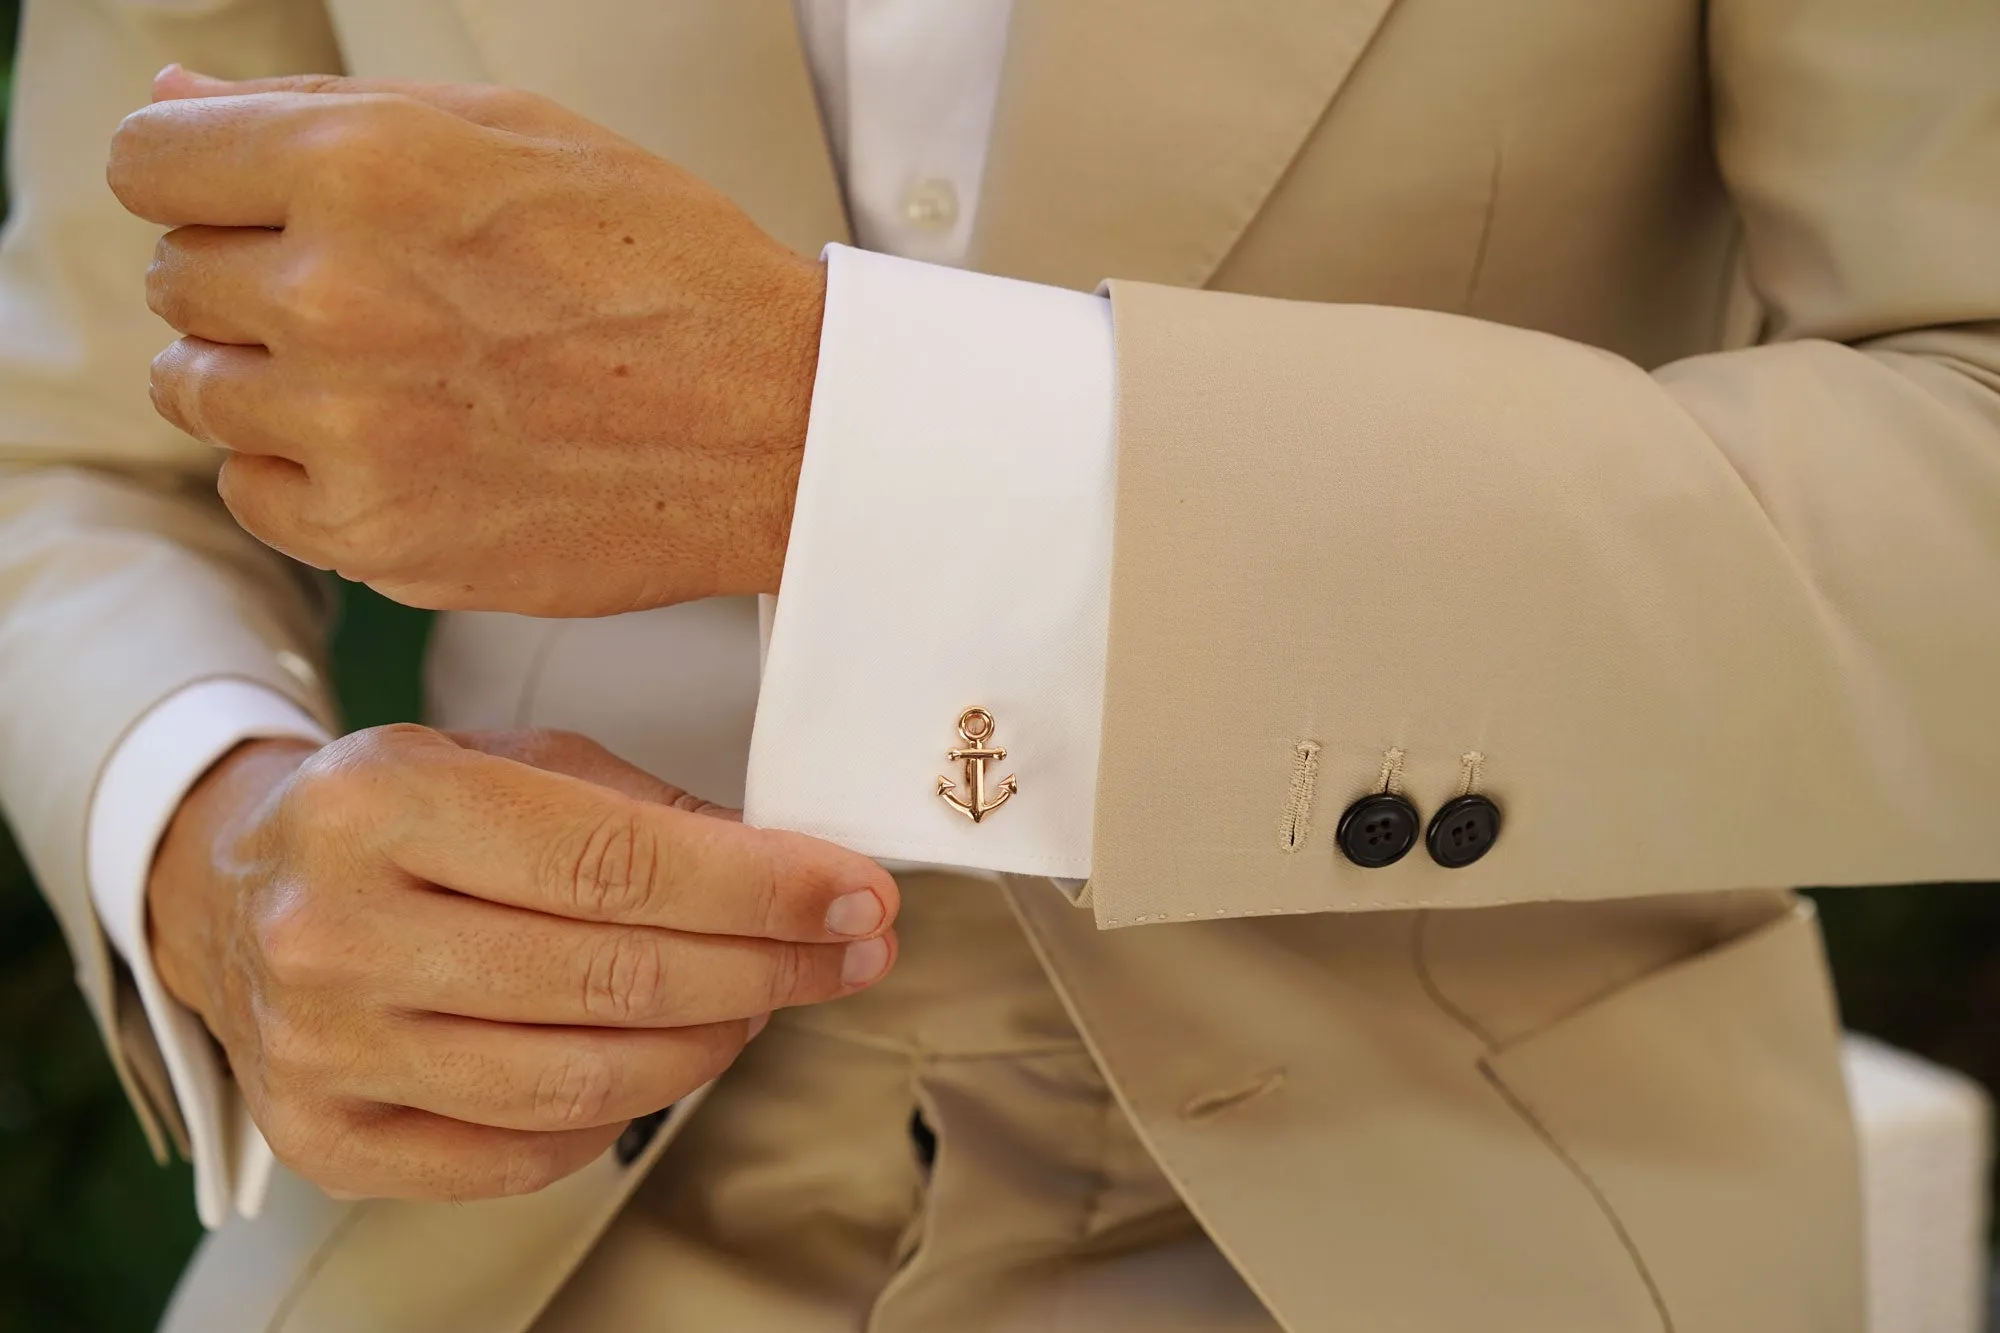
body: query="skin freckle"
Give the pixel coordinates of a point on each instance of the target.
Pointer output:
(621, 371)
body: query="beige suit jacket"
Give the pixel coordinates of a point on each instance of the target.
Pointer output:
(1596, 404)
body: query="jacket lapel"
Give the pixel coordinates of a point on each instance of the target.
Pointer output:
(1138, 138)
(719, 86)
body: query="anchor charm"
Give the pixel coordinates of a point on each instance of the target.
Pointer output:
(975, 727)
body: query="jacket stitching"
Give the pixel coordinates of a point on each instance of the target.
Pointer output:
(1296, 824)
(1390, 781)
(1420, 962)
(1583, 1177)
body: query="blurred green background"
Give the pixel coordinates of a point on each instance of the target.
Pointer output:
(92, 1233)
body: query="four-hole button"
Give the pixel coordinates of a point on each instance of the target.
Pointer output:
(1378, 830)
(1462, 831)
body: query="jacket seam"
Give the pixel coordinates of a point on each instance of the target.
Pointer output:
(1583, 1177)
(1420, 964)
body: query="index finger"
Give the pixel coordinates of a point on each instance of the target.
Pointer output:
(220, 161)
(242, 160)
(503, 831)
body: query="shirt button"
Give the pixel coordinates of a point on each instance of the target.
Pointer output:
(931, 204)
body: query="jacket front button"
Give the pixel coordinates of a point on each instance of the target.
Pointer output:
(1378, 830)
(638, 1136)
(1463, 831)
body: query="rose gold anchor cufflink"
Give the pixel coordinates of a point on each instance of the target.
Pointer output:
(975, 728)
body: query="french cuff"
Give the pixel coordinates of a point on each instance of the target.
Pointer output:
(159, 760)
(950, 550)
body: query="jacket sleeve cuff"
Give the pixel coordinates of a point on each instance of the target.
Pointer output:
(156, 764)
(951, 548)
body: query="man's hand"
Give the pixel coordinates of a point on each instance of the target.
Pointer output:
(456, 967)
(469, 348)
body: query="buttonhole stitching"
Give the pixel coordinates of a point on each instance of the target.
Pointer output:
(1391, 779)
(1297, 822)
(1208, 1105)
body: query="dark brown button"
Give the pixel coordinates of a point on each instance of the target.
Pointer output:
(638, 1135)
(1378, 830)
(1462, 831)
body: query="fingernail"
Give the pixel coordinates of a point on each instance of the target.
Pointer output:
(854, 914)
(758, 1024)
(863, 962)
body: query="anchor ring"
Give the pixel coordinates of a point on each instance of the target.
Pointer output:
(975, 725)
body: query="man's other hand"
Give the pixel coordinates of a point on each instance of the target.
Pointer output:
(455, 967)
(471, 349)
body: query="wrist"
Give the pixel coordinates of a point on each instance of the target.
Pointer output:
(188, 887)
(796, 316)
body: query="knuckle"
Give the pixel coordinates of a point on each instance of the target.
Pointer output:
(499, 102)
(766, 892)
(352, 422)
(372, 530)
(237, 488)
(610, 871)
(401, 736)
(302, 1141)
(321, 305)
(330, 794)
(625, 980)
(367, 789)
(164, 295)
(531, 1165)
(575, 1091)
(245, 490)
(299, 951)
(792, 974)
(292, 1056)
(357, 131)
(170, 389)
(123, 172)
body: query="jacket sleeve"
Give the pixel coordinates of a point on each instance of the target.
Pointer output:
(1734, 622)
(122, 579)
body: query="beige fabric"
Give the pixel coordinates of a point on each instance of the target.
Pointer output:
(1473, 486)
(795, 1202)
(1708, 626)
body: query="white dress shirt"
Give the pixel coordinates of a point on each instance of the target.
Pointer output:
(951, 544)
